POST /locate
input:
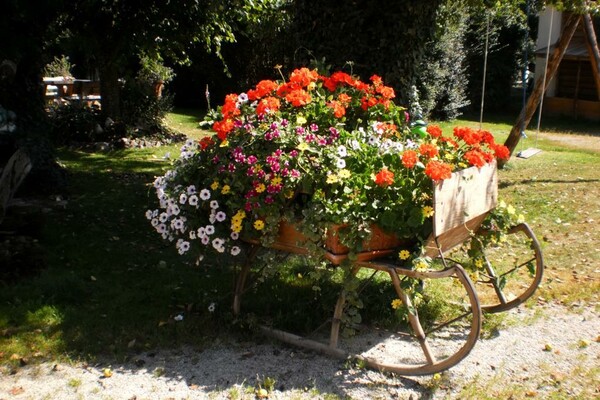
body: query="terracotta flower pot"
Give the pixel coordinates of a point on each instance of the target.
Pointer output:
(378, 245)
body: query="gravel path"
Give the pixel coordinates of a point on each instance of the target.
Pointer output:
(557, 351)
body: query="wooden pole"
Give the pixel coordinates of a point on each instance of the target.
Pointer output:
(534, 100)
(592, 45)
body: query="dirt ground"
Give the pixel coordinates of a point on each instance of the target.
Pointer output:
(590, 142)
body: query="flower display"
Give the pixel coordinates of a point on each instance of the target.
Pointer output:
(323, 149)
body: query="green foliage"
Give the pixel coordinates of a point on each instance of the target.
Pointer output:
(142, 110)
(59, 67)
(153, 70)
(443, 75)
(75, 122)
(505, 27)
(386, 38)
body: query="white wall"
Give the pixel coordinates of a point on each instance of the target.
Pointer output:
(548, 15)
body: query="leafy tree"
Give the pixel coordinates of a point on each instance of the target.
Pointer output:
(383, 37)
(115, 33)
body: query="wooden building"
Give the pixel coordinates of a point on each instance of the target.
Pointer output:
(574, 91)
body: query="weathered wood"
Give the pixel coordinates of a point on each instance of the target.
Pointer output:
(541, 84)
(13, 174)
(470, 193)
(592, 46)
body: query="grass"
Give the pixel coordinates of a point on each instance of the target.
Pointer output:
(113, 288)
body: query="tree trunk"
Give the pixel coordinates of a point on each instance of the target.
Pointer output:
(592, 45)
(534, 100)
(110, 90)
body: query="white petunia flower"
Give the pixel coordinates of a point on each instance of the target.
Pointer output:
(211, 307)
(177, 223)
(209, 229)
(340, 163)
(201, 232)
(235, 250)
(221, 216)
(342, 152)
(205, 194)
(193, 200)
(183, 198)
(192, 235)
(214, 204)
(149, 214)
(218, 242)
(161, 228)
(174, 209)
(205, 240)
(155, 222)
(235, 235)
(191, 189)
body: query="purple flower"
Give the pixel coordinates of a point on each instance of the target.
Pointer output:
(314, 127)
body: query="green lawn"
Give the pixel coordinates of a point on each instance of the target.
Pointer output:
(112, 287)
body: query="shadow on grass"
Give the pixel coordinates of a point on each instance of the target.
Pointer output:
(114, 292)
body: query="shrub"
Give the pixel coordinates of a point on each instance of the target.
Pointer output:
(443, 76)
(75, 122)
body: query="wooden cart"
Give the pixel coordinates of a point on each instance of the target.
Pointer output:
(509, 278)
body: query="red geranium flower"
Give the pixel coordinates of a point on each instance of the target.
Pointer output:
(501, 151)
(428, 150)
(409, 158)
(223, 128)
(475, 157)
(438, 170)
(263, 88)
(338, 109)
(298, 97)
(434, 131)
(268, 104)
(384, 177)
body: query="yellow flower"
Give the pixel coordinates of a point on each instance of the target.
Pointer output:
(241, 214)
(404, 254)
(344, 173)
(276, 180)
(214, 185)
(479, 263)
(332, 178)
(259, 225)
(224, 143)
(300, 120)
(303, 146)
(236, 227)
(510, 209)
(396, 304)
(311, 86)
(428, 211)
(226, 189)
(502, 204)
(420, 265)
(449, 156)
(260, 188)
(520, 219)
(289, 194)
(462, 165)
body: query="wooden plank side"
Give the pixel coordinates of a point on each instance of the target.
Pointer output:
(468, 194)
